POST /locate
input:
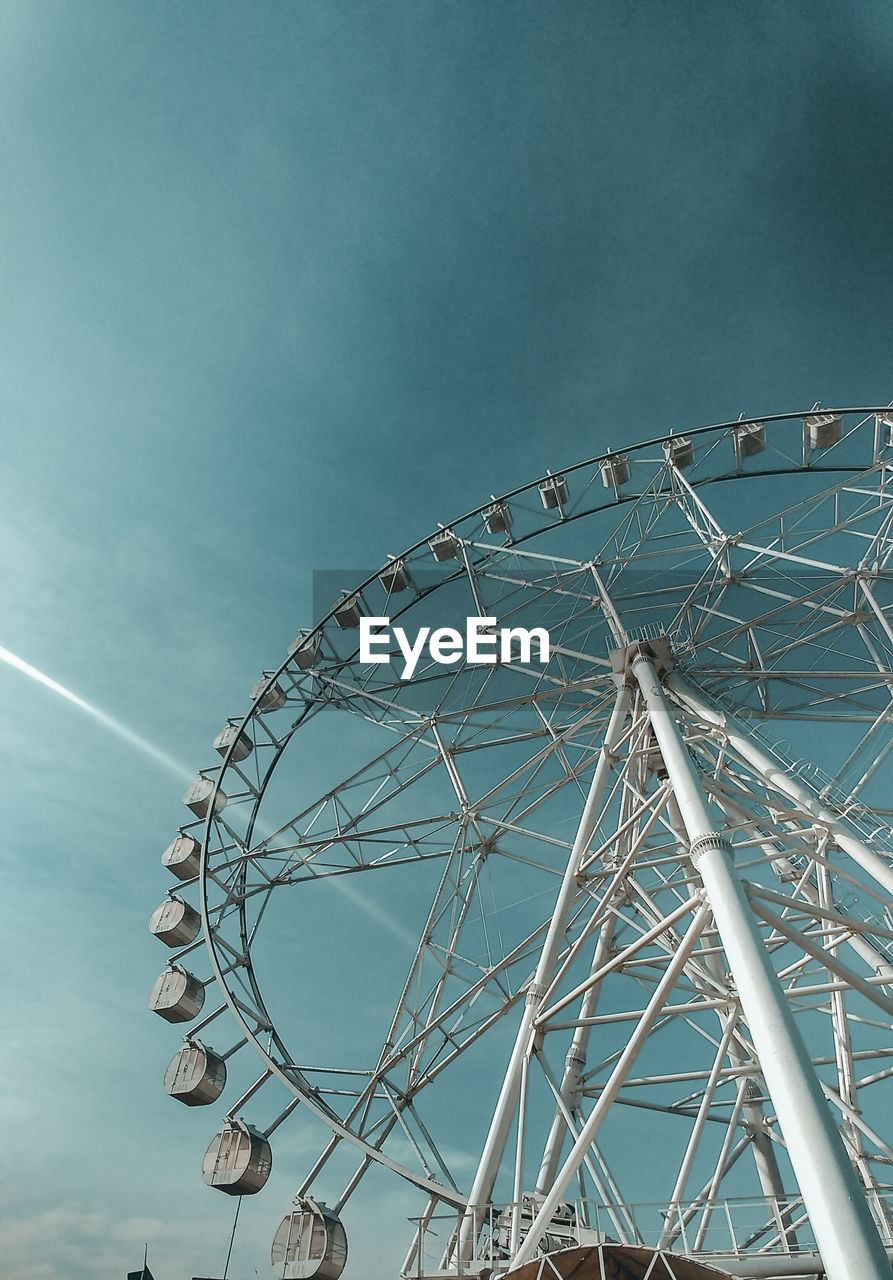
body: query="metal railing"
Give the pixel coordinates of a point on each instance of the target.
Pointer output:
(735, 1228)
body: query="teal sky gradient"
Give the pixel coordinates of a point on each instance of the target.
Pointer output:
(283, 285)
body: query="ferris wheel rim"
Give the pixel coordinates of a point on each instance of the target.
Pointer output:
(443, 1192)
(595, 460)
(530, 487)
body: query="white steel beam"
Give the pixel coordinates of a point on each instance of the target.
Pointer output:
(612, 1087)
(844, 1229)
(576, 1058)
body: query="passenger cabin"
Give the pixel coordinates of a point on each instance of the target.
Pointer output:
(497, 519)
(348, 611)
(195, 1075)
(232, 736)
(183, 857)
(679, 451)
(394, 577)
(821, 430)
(303, 649)
(176, 995)
(553, 492)
(268, 694)
(310, 1242)
(238, 1161)
(444, 545)
(200, 796)
(750, 438)
(615, 470)
(175, 922)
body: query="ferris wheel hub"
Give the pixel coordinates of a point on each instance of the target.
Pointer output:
(657, 649)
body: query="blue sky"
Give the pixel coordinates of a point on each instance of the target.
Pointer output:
(284, 284)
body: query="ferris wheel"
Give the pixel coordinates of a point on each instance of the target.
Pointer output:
(551, 871)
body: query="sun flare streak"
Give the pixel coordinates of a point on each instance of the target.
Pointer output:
(120, 730)
(180, 771)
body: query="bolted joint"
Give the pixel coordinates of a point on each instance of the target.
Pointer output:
(575, 1059)
(709, 842)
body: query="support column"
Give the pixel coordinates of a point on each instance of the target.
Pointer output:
(575, 1061)
(844, 1229)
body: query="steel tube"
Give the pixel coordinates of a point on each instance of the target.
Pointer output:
(576, 1058)
(844, 1229)
(612, 1087)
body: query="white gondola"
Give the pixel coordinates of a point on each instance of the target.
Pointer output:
(553, 492)
(195, 1075)
(444, 545)
(271, 696)
(310, 1242)
(231, 736)
(176, 995)
(303, 649)
(497, 519)
(175, 922)
(615, 470)
(680, 451)
(199, 797)
(348, 611)
(394, 577)
(238, 1160)
(821, 430)
(750, 438)
(885, 420)
(183, 857)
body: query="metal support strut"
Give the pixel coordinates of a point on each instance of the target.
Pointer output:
(505, 1107)
(844, 1229)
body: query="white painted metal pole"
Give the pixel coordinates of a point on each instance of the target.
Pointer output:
(844, 1229)
(576, 1058)
(491, 1157)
